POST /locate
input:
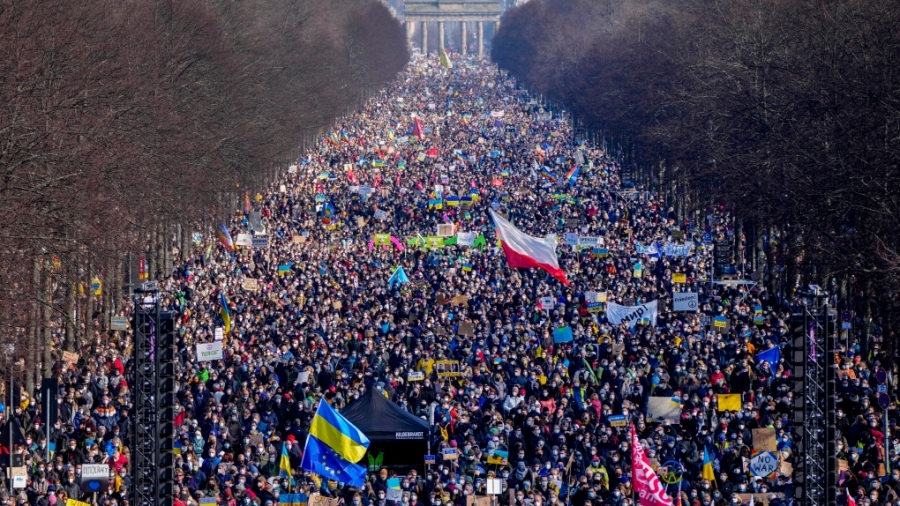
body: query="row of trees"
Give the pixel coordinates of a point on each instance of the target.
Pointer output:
(126, 126)
(786, 111)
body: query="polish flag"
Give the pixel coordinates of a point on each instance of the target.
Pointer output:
(850, 500)
(525, 251)
(647, 486)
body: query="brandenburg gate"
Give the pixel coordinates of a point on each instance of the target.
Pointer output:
(451, 11)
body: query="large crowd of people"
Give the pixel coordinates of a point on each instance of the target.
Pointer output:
(314, 317)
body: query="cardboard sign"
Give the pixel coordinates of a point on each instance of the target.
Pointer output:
(70, 357)
(447, 368)
(430, 460)
(764, 440)
(337, 305)
(450, 454)
(572, 222)
(441, 299)
(445, 230)
(298, 239)
(360, 222)
(757, 499)
(466, 329)
(251, 285)
(460, 300)
(320, 500)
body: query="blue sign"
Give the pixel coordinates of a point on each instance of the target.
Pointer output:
(707, 238)
(617, 420)
(430, 459)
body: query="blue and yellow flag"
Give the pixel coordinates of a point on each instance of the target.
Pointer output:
(285, 463)
(318, 458)
(708, 472)
(332, 429)
(225, 312)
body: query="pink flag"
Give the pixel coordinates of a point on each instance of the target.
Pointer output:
(646, 483)
(418, 131)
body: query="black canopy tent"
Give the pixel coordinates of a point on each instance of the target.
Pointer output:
(399, 439)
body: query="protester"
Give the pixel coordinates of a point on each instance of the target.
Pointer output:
(319, 301)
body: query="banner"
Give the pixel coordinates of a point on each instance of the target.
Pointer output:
(632, 315)
(646, 483)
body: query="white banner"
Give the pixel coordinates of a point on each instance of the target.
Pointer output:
(684, 301)
(588, 241)
(632, 315)
(243, 240)
(207, 352)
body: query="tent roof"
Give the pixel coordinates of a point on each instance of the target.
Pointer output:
(382, 420)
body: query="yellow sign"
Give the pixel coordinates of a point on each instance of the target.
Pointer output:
(97, 286)
(73, 502)
(382, 239)
(679, 277)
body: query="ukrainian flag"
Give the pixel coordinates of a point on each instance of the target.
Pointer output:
(225, 312)
(708, 471)
(285, 463)
(335, 431)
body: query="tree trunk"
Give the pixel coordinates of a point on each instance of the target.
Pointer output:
(33, 332)
(88, 317)
(71, 284)
(48, 335)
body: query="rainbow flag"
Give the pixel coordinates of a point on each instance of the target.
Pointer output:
(344, 137)
(573, 174)
(225, 237)
(332, 139)
(247, 207)
(547, 174)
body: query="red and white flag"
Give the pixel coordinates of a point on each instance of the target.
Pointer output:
(850, 500)
(646, 483)
(527, 252)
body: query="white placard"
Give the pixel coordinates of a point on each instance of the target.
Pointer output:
(380, 215)
(588, 241)
(292, 169)
(92, 471)
(243, 240)
(548, 303)
(763, 464)
(118, 323)
(685, 301)
(465, 238)
(207, 352)
(219, 333)
(494, 486)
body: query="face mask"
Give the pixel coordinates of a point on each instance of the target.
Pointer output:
(356, 502)
(381, 496)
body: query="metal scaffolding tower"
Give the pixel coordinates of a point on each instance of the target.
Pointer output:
(153, 380)
(814, 370)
